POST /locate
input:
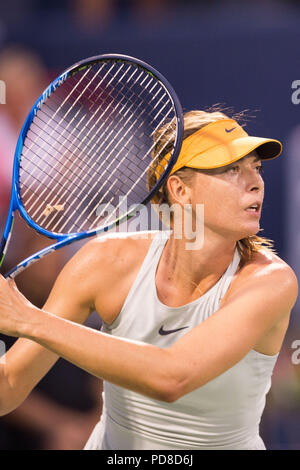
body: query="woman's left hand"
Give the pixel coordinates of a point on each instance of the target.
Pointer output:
(15, 309)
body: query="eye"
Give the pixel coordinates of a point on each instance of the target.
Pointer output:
(233, 169)
(259, 168)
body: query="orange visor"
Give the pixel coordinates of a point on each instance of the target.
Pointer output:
(221, 143)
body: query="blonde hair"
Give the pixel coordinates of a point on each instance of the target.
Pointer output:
(193, 121)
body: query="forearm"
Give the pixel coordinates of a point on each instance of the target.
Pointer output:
(18, 376)
(6, 397)
(140, 367)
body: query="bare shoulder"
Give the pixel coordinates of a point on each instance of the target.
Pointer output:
(270, 268)
(270, 285)
(106, 268)
(114, 251)
(268, 274)
(266, 268)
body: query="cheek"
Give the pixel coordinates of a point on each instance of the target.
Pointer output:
(221, 198)
(218, 208)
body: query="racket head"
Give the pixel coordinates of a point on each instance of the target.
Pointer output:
(133, 100)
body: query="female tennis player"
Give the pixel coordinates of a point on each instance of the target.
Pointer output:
(190, 337)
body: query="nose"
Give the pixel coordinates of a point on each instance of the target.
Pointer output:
(254, 181)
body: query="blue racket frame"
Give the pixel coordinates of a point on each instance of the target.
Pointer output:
(16, 200)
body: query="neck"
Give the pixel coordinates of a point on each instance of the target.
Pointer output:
(196, 269)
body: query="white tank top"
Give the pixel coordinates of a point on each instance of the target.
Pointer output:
(223, 414)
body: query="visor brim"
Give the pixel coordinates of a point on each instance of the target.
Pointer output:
(226, 153)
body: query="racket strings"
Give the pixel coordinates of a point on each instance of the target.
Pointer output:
(131, 189)
(77, 175)
(114, 214)
(107, 168)
(116, 167)
(111, 189)
(67, 139)
(45, 166)
(102, 151)
(68, 149)
(44, 130)
(65, 128)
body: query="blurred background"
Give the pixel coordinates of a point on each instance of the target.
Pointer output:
(243, 55)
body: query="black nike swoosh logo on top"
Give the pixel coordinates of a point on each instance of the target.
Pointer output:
(168, 332)
(230, 130)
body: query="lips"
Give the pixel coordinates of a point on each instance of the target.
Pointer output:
(254, 207)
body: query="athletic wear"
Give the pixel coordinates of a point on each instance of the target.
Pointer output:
(223, 414)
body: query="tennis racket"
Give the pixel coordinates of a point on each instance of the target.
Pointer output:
(88, 142)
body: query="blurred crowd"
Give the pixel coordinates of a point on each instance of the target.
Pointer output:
(90, 14)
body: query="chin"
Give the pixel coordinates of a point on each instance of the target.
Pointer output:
(246, 230)
(237, 229)
(249, 232)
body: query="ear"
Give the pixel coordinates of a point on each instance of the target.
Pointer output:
(178, 191)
